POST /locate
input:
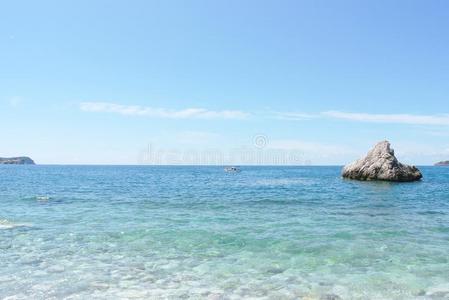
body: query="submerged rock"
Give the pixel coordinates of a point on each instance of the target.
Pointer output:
(5, 224)
(438, 292)
(330, 297)
(381, 164)
(23, 160)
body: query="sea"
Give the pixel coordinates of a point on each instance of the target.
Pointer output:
(197, 232)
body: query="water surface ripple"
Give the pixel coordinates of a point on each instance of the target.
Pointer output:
(117, 232)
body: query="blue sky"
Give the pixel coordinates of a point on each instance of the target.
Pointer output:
(98, 81)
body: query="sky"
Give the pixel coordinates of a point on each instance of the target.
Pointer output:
(220, 82)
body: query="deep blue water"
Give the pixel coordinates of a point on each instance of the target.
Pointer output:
(115, 232)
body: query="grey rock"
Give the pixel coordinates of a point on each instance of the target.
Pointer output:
(381, 164)
(23, 160)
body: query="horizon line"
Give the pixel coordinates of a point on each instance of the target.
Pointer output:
(192, 165)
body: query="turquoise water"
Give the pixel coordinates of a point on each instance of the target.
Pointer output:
(116, 232)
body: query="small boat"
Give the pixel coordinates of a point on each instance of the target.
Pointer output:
(232, 169)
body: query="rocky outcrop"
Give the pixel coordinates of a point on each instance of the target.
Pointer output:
(442, 163)
(381, 164)
(23, 160)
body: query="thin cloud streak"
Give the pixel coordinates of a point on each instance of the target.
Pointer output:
(295, 116)
(440, 120)
(312, 147)
(390, 118)
(188, 113)
(15, 101)
(202, 113)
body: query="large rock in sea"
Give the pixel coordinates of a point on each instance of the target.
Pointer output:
(381, 164)
(23, 160)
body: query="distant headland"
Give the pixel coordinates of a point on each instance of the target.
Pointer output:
(442, 163)
(22, 160)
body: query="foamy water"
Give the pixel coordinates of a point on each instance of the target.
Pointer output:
(199, 233)
(5, 224)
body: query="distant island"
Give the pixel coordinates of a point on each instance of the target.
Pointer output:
(442, 163)
(22, 160)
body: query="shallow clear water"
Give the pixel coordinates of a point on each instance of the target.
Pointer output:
(113, 232)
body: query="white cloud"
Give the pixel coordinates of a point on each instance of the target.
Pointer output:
(312, 148)
(188, 113)
(15, 101)
(420, 154)
(437, 133)
(295, 116)
(439, 120)
(196, 137)
(202, 113)
(390, 118)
